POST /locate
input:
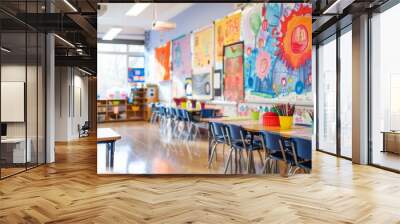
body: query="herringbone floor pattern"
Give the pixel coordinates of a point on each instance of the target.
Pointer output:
(70, 191)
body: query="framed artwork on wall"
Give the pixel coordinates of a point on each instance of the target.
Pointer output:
(233, 72)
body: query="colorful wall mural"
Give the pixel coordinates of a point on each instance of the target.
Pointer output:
(203, 49)
(278, 48)
(227, 31)
(181, 64)
(162, 55)
(233, 72)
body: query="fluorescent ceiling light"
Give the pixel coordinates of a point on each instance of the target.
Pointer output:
(112, 33)
(5, 50)
(137, 8)
(84, 71)
(65, 41)
(70, 5)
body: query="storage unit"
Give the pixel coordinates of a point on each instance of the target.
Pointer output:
(123, 110)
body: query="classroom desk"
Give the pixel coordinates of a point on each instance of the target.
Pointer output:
(296, 131)
(254, 126)
(109, 137)
(17, 152)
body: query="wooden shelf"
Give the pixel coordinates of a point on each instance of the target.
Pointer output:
(106, 108)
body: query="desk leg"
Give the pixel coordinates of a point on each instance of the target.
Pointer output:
(112, 150)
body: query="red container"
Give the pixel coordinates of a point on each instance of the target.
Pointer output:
(203, 105)
(271, 119)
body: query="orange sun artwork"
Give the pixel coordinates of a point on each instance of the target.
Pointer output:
(296, 41)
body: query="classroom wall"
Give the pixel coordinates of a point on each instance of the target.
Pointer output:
(195, 17)
(71, 102)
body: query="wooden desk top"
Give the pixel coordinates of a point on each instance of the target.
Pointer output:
(296, 131)
(228, 120)
(252, 125)
(107, 134)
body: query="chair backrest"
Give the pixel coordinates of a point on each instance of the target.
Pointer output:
(181, 114)
(163, 110)
(303, 148)
(86, 125)
(271, 141)
(207, 113)
(174, 112)
(217, 128)
(184, 114)
(234, 132)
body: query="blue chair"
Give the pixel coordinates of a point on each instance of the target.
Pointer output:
(207, 113)
(275, 151)
(239, 142)
(217, 137)
(174, 120)
(193, 126)
(155, 113)
(302, 154)
(163, 118)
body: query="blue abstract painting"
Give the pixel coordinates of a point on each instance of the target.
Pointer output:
(278, 49)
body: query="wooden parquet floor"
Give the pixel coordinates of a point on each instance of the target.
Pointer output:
(70, 191)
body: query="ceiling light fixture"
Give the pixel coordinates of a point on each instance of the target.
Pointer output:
(112, 33)
(137, 8)
(70, 5)
(158, 25)
(5, 50)
(64, 40)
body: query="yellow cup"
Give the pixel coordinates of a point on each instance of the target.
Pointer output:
(286, 122)
(183, 105)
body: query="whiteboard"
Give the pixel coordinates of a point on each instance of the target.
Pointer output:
(12, 101)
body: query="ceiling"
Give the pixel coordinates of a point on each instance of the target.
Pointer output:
(113, 15)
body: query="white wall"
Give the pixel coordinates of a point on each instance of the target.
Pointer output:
(70, 83)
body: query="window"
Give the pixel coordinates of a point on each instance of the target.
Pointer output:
(327, 96)
(136, 48)
(102, 47)
(385, 89)
(114, 64)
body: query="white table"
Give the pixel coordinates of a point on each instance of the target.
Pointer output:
(19, 154)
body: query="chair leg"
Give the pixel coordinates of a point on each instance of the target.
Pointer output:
(223, 151)
(212, 155)
(261, 157)
(266, 163)
(229, 161)
(248, 161)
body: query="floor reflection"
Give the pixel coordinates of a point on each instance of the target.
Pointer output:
(144, 150)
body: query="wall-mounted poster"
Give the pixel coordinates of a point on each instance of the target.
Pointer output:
(162, 55)
(233, 72)
(217, 82)
(201, 85)
(227, 31)
(278, 48)
(135, 75)
(181, 64)
(203, 49)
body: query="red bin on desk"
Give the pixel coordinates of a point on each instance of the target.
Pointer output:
(271, 119)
